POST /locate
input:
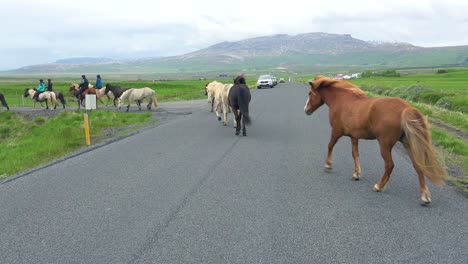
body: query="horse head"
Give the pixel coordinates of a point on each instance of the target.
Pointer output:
(26, 92)
(108, 88)
(206, 90)
(239, 79)
(73, 87)
(315, 100)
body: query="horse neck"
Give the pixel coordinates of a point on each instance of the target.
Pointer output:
(336, 96)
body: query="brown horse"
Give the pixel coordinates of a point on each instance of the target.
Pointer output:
(388, 120)
(91, 90)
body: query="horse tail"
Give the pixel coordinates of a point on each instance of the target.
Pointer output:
(416, 129)
(243, 99)
(4, 103)
(61, 98)
(155, 100)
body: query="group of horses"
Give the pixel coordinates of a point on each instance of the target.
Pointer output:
(351, 113)
(112, 92)
(116, 93)
(230, 97)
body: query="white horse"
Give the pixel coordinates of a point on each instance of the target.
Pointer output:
(137, 95)
(219, 92)
(47, 97)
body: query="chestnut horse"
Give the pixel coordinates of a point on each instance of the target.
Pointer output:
(388, 120)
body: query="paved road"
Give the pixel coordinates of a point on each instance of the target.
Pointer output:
(189, 191)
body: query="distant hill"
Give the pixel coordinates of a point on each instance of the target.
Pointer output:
(297, 53)
(83, 60)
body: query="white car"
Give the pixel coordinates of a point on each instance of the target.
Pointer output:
(265, 81)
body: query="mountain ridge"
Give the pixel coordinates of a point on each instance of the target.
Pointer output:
(288, 52)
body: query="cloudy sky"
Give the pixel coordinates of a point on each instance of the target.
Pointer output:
(35, 32)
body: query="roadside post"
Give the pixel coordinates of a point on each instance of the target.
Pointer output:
(90, 102)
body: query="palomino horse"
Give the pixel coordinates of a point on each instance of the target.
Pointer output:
(218, 92)
(115, 90)
(47, 97)
(138, 95)
(4, 103)
(388, 120)
(239, 99)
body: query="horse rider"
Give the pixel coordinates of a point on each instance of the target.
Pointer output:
(40, 89)
(98, 82)
(49, 85)
(83, 86)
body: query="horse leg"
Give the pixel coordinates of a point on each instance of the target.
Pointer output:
(244, 133)
(225, 111)
(47, 105)
(128, 107)
(425, 194)
(218, 104)
(357, 164)
(386, 152)
(212, 104)
(148, 106)
(334, 138)
(138, 102)
(237, 117)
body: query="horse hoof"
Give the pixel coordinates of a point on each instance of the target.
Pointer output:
(237, 133)
(244, 134)
(376, 188)
(425, 198)
(224, 124)
(219, 118)
(355, 177)
(328, 167)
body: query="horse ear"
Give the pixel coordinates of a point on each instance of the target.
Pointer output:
(320, 81)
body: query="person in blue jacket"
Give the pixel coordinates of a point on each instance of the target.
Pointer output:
(98, 84)
(40, 89)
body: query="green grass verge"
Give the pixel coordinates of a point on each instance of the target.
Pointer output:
(28, 143)
(456, 152)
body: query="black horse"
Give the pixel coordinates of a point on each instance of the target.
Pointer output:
(239, 99)
(116, 90)
(4, 103)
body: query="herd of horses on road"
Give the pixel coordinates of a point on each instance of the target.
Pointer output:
(351, 113)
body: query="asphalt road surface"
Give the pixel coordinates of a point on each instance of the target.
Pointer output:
(190, 191)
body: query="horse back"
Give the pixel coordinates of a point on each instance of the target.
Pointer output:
(369, 117)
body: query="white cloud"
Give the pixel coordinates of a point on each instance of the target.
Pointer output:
(116, 29)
